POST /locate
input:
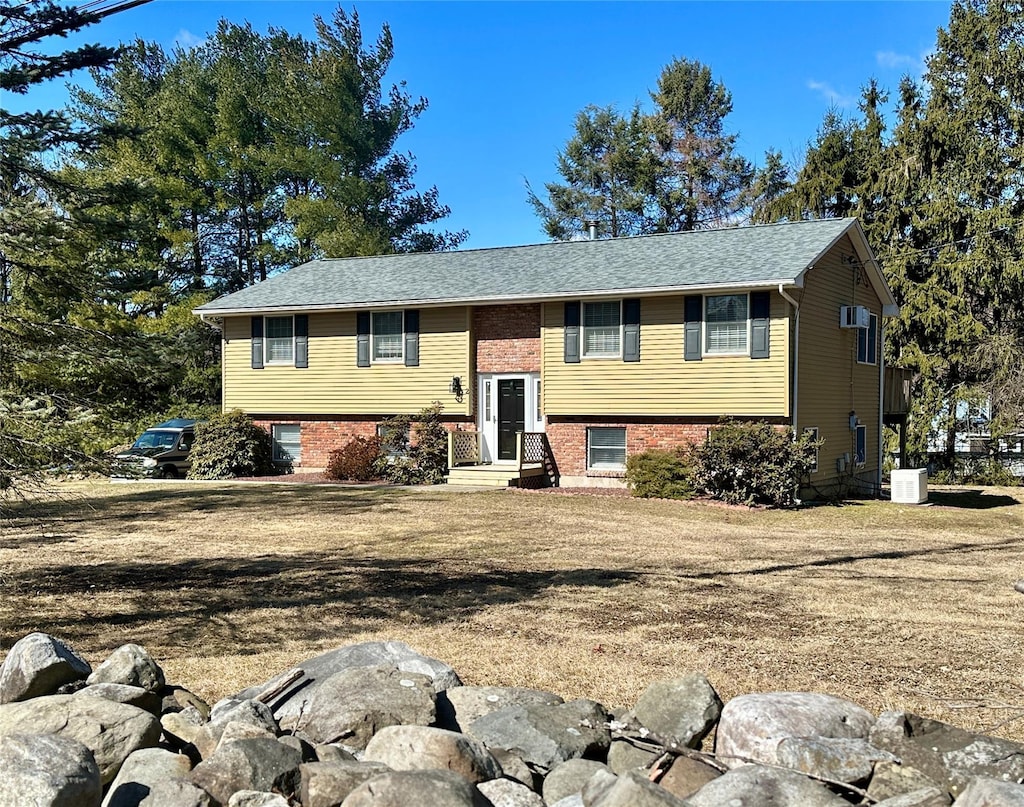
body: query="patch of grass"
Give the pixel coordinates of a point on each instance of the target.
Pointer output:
(891, 606)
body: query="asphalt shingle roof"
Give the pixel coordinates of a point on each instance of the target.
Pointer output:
(744, 256)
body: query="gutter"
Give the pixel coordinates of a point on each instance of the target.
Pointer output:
(796, 356)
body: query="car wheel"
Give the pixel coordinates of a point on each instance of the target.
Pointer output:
(166, 472)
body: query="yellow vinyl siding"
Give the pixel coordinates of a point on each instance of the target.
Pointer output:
(333, 384)
(662, 383)
(832, 383)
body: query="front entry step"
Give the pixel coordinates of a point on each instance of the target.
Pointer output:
(495, 476)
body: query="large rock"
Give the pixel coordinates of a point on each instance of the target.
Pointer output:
(354, 704)
(45, 770)
(761, 786)
(632, 789)
(892, 779)
(682, 709)
(141, 771)
(949, 755)
(177, 793)
(840, 760)
(328, 784)
(924, 797)
(289, 704)
(256, 798)
(625, 756)
(413, 748)
(110, 730)
(409, 788)
(686, 776)
(569, 778)
(124, 693)
(546, 735)
(459, 707)
(256, 764)
(39, 664)
(506, 793)
(752, 726)
(130, 664)
(252, 713)
(985, 792)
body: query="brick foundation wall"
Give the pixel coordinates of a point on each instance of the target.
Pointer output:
(507, 338)
(568, 440)
(321, 435)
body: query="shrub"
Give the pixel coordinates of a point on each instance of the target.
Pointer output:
(230, 444)
(424, 462)
(357, 460)
(752, 463)
(660, 475)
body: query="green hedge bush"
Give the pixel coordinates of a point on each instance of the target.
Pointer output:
(752, 463)
(229, 444)
(660, 475)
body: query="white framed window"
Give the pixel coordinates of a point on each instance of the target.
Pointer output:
(813, 432)
(387, 337)
(279, 341)
(606, 448)
(726, 324)
(602, 329)
(860, 456)
(393, 443)
(487, 401)
(287, 441)
(867, 342)
(540, 416)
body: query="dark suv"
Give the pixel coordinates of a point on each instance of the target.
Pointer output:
(161, 451)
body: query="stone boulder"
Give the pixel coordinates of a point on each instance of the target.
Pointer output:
(841, 760)
(569, 778)
(207, 736)
(112, 731)
(506, 793)
(459, 707)
(351, 706)
(143, 769)
(38, 664)
(46, 770)
(924, 797)
(752, 726)
(686, 776)
(408, 788)
(256, 798)
(328, 784)
(761, 786)
(412, 748)
(130, 664)
(684, 709)
(398, 655)
(949, 755)
(546, 735)
(124, 693)
(253, 764)
(985, 792)
(632, 789)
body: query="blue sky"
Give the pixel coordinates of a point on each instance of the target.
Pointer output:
(505, 80)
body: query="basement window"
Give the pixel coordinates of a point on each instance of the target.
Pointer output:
(606, 449)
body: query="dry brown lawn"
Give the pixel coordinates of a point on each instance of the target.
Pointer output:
(891, 606)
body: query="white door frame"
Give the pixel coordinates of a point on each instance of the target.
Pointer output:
(487, 411)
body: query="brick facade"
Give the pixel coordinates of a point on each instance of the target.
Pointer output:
(320, 435)
(507, 338)
(568, 440)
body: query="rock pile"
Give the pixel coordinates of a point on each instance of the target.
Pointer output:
(378, 725)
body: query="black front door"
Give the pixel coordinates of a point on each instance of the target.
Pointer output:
(511, 415)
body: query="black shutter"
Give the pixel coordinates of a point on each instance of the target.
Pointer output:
(693, 315)
(302, 340)
(631, 330)
(363, 339)
(572, 333)
(760, 311)
(257, 343)
(412, 337)
(873, 339)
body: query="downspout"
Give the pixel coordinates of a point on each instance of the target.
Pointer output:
(796, 356)
(881, 400)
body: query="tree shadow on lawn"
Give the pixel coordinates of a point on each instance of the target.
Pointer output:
(970, 499)
(194, 601)
(173, 500)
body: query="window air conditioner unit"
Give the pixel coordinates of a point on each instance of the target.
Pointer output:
(854, 316)
(910, 486)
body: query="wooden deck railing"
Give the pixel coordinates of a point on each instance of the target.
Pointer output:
(464, 448)
(531, 448)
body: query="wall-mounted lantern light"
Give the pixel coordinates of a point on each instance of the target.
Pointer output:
(455, 388)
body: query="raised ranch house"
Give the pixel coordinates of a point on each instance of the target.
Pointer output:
(562, 359)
